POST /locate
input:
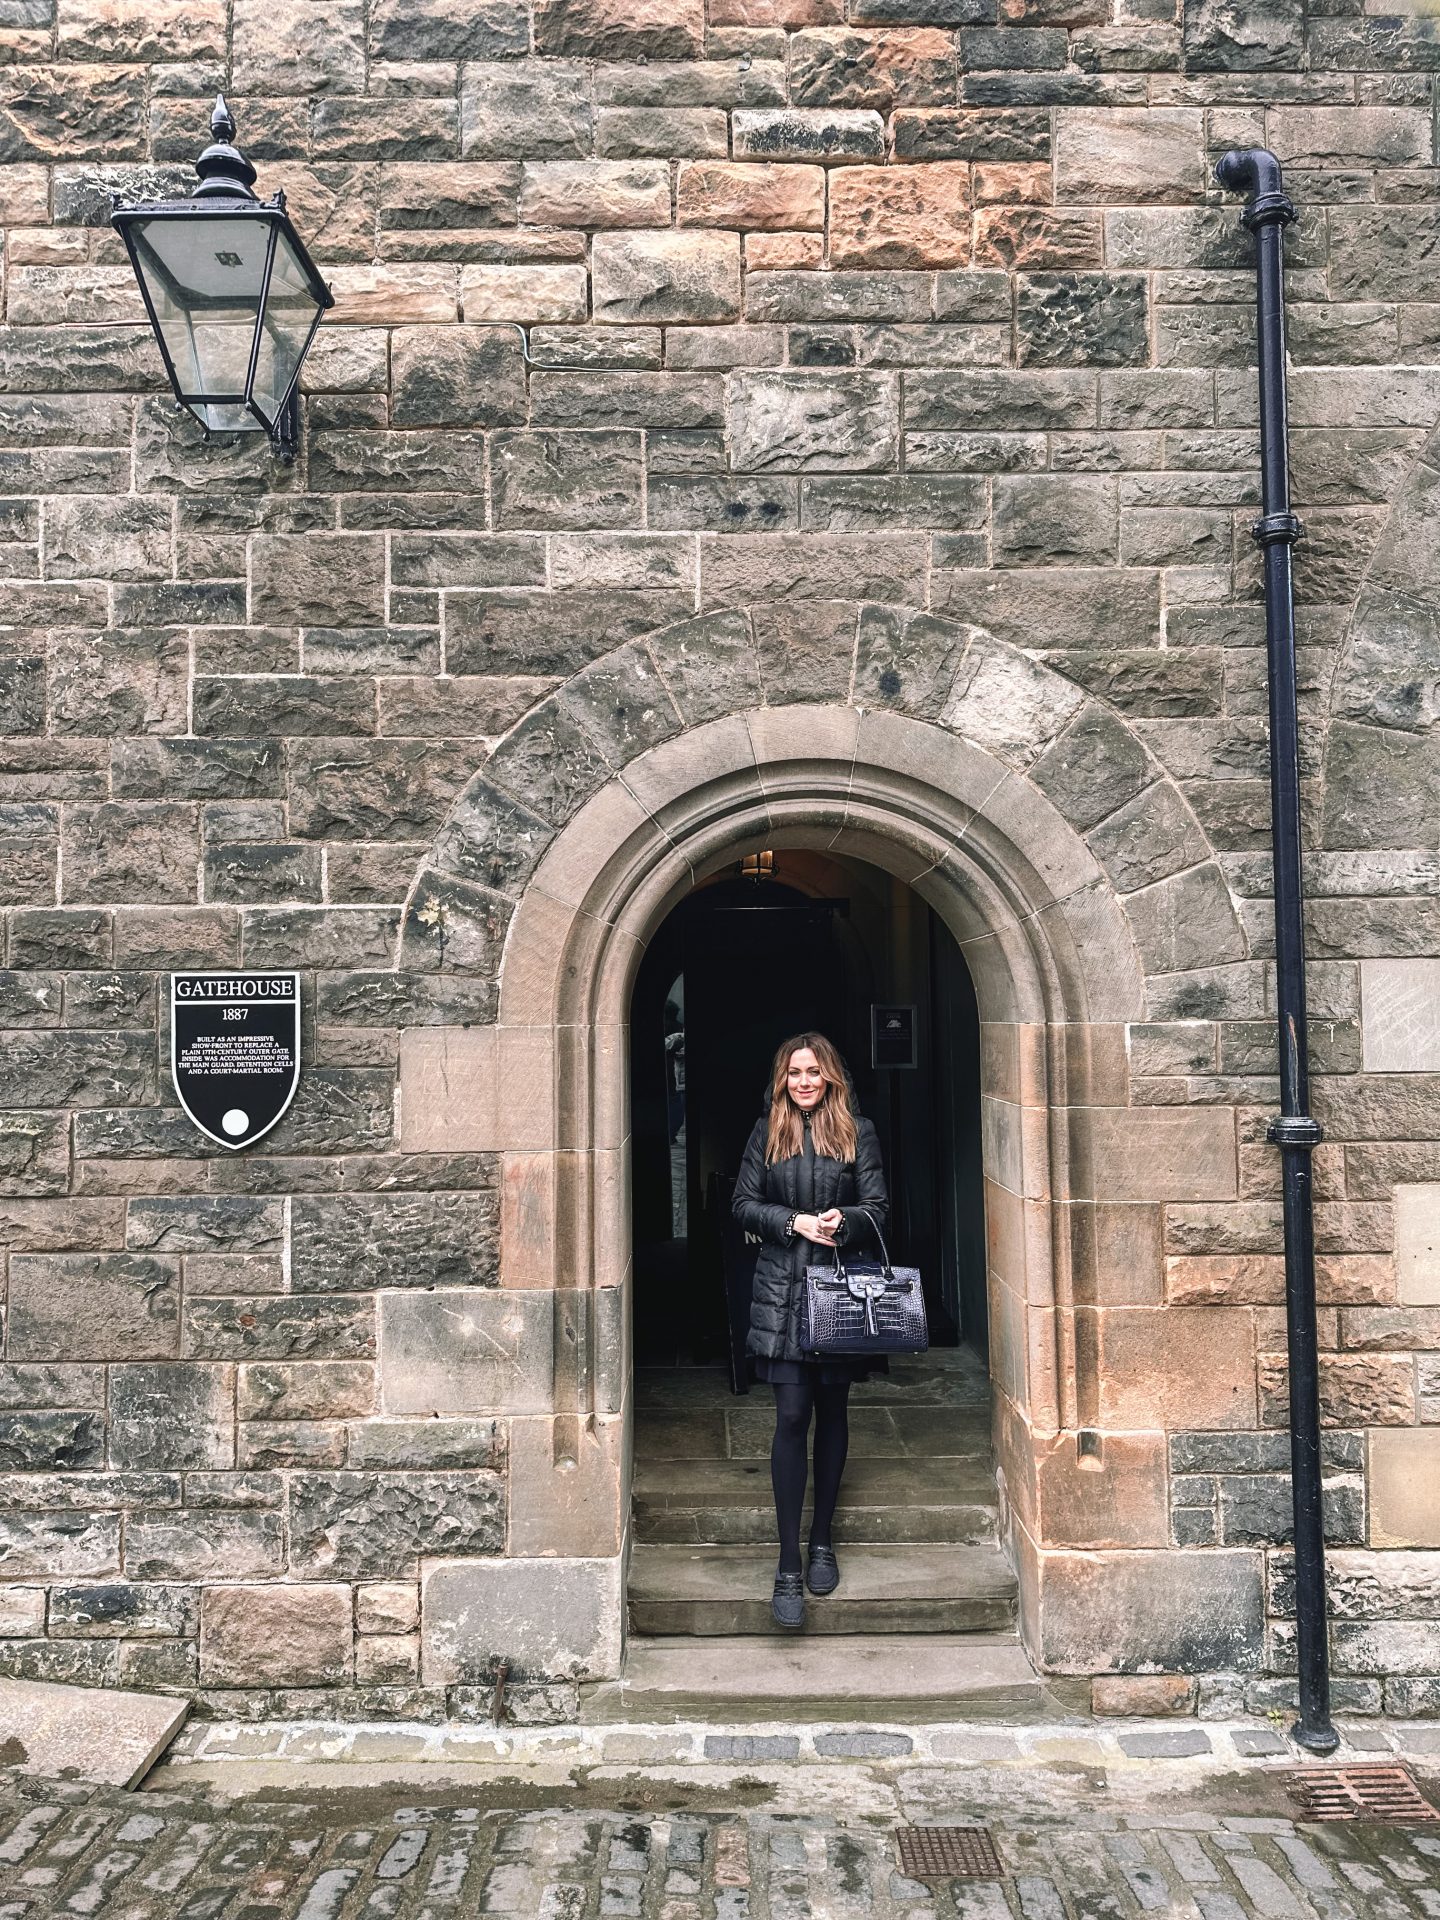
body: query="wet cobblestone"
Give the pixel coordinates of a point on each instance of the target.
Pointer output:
(70, 1853)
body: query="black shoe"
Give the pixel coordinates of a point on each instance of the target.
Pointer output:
(823, 1573)
(787, 1603)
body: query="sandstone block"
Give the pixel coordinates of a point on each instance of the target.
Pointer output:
(666, 277)
(119, 539)
(1055, 521)
(1403, 1468)
(566, 480)
(1122, 156)
(1133, 1612)
(783, 252)
(132, 681)
(792, 422)
(433, 30)
(454, 377)
(734, 194)
(299, 46)
(71, 111)
(830, 136)
(319, 579)
(635, 133)
(393, 1240)
(1190, 1367)
(621, 29)
(1401, 1015)
(537, 108)
(595, 193)
(900, 216)
(279, 1636)
(1159, 1154)
(467, 1352)
(1150, 1696)
(1417, 1243)
(309, 1390)
(1238, 36)
(377, 1525)
(172, 1416)
(540, 293)
(544, 1619)
(1082, 319)
(832, 67)
(106, 1306)
(387, 1607)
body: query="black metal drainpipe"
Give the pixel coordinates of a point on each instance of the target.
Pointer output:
(1255, 172)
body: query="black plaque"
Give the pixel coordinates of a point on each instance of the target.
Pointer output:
(235, 1050)
(892, 1036)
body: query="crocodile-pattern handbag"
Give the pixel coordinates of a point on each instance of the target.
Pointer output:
(863, 1306)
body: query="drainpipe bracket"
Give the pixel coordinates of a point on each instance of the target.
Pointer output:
(1273, 527)
(1295, 1130)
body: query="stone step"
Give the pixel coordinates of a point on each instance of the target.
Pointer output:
(742, 1431)
(730, 1503)
(883, 1590)
(729, 1679)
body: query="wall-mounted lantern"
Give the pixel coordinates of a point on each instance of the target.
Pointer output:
(232, 294)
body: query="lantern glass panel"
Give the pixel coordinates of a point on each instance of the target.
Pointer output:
(291, 313)
(204, 276)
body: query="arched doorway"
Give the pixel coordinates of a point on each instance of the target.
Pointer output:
(778, 941)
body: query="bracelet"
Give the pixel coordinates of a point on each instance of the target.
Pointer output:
(790, 1226)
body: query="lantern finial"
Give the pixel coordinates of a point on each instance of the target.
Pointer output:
(223, 169)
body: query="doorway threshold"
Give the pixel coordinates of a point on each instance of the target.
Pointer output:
(934, 1678)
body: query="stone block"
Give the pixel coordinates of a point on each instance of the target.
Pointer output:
(278, 1636)
(132, 853)
(373, 1525)
(387, 1607)
(307, 48)
(122, 538)
(608, 194)
(791, 422)
(172, 1416)
(1132, 1612)
(1055, 521)
(621, 29)
(830, 136)
(1082, 319)
(1417, 1243)
(1146, 1696)
(94, 1306)
(560, 479)
(900, 216)
(122, 1610)
(1122, 156)
(524, 293)
(309, 1390)
(544, 1619)
(750, 197)
(467, 1352)
(434, 30)
(1400, 1028)
(1159, 1154)
(1403, 1471)
(1191, 1367)
(91, 1737)
(1115, 1498)
(347, 1243)
(540, 109)
(667, 277)
(566, 1483)
(471, 376)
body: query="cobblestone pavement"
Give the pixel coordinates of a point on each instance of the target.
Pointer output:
(1071, 1850)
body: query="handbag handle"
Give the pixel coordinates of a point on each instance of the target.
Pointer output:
(884, 1250)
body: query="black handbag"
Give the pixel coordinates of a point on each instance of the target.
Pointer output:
(863, 1306)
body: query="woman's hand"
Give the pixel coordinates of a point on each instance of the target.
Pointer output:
(833, 1221)
(819, 1227)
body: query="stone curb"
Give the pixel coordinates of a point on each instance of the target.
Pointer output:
(1139, 1743)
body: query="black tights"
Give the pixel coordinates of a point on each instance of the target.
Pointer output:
(793, 1406)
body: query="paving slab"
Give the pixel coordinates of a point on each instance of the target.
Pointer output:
(102, 1736)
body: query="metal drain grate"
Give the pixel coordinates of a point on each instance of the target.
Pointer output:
(1384, 1794)
(948, 1853)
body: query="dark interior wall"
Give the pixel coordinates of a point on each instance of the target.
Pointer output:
(813, 948)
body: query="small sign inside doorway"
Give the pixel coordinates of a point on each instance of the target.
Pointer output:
(892, 1036)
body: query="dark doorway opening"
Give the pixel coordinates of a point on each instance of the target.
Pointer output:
(782, 942)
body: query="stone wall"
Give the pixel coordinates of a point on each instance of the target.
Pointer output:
(917, 329)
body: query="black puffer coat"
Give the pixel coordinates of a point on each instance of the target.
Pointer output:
(808, 1182)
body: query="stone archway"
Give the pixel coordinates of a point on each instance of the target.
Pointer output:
(1017, 808)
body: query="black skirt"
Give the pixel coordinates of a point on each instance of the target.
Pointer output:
(831, 1372)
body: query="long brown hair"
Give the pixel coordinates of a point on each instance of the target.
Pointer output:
(832, 1122)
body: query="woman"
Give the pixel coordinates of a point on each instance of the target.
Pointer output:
(811, 1171)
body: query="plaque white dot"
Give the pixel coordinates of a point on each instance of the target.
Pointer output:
(235, 1121)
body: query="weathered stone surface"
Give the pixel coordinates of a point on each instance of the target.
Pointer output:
(596, 193)
(353, 1525)
(172, 1416)
(540, 109)
(1082, 319)
(1109, 156)
(561, 479)
(471, 1352)
(793, 422)
(533, 1616)
(900, 216)
(749, 197)
(457, 377)
(446, 30)
(1401, 1021)
(827, 135)
(297, 1636)
(102, 1738)
(103, 1306)
(678, 277)
(400, 1240)
(620, 29)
